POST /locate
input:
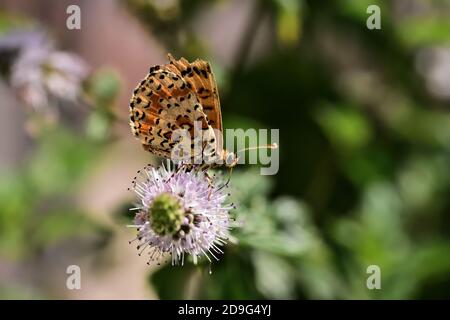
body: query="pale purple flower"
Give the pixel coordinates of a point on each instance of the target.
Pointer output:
(181, 212)
(42, 75)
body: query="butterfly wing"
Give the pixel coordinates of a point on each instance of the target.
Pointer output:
(161, 104)
(199, 75)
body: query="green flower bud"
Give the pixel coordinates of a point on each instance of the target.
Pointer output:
(166, 214)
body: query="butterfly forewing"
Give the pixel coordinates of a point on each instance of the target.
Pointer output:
(168, 100)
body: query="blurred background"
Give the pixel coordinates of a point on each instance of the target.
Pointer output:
(364, 146)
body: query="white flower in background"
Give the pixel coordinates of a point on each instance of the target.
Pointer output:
(43, 76)
(434, 65)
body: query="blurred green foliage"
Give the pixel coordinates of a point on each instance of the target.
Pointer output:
(38, 200)
(364, 155)
(34, 211)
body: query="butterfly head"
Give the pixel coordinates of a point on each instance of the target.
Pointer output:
(230, 158)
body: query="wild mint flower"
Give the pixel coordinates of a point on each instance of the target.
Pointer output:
(41, 75)
(181, 212)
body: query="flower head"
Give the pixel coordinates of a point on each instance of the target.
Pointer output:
(40, 74)
(181, 211)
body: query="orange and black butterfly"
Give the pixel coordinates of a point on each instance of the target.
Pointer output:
(180, 96)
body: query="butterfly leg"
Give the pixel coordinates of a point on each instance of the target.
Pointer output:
(210, 182)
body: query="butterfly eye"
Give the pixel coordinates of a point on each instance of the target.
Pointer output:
(231, 158)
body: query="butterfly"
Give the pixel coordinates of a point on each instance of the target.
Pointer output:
(181, 97)
(178, 96)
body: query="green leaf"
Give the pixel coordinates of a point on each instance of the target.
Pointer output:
(288, 21)
(54, 227)
(171, 283)
(425, 31)
(60, 161)
(345, 127)
(104, 86)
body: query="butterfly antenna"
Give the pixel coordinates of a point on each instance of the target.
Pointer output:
(269, 146)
